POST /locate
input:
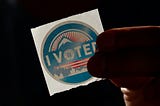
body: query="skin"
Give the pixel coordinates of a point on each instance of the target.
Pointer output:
(129, 57)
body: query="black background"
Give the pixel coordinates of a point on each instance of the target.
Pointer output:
(22, 80)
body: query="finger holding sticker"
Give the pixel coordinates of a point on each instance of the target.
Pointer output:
(130, 58)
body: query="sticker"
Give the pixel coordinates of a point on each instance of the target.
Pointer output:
(64, 48)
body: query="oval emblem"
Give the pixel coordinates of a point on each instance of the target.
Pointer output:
(66, 51)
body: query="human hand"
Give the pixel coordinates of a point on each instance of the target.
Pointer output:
(130, 58)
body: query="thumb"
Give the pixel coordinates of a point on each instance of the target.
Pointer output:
(147, 94)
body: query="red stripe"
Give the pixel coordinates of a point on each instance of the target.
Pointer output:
(74, 64)
(83, 64)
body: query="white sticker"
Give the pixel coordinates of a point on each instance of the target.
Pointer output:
(64, 47)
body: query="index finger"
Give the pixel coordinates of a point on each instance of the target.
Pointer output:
(129, 51)
(128, 37)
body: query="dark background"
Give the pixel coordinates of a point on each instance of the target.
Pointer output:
(22, 80)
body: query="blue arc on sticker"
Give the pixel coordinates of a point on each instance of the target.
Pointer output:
(66, 51)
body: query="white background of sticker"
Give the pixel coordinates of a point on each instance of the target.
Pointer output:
(91, 18)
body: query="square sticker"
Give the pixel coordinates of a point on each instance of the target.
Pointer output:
(64, 48)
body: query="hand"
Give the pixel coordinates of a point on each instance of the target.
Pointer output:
(130, 58)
